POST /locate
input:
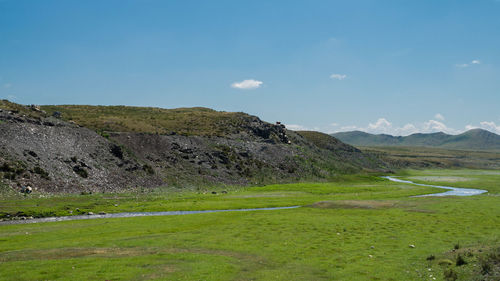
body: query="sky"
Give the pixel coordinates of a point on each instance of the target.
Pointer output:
(395, 67)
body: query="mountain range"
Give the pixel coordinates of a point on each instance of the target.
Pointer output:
(475, 139)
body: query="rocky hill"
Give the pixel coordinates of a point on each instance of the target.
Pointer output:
(476, 139)
(97, 148)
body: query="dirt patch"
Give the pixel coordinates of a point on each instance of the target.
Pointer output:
(440, 178)
(354, 204)
(67, 253)
(267, 195)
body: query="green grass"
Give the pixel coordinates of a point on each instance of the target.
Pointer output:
(332, 241)
(323, 140)
(429, 157)
(186, 121)
(169, 199)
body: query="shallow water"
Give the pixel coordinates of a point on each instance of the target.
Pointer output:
(454, 191)
(137, 214)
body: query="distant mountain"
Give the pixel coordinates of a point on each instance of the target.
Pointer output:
(476, 139)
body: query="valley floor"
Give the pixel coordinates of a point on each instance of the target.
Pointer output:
(358, 228)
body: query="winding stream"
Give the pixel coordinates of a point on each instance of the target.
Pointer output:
(454, 191)
(137, 214)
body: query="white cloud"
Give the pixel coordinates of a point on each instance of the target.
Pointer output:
(247, 84)
(438, 116)
(338, 76)
(407, 129)
(7, 85)
(345, 129)
(296, 127)
(486, 125)
(433, 126)
(464, 65)
(383, 126)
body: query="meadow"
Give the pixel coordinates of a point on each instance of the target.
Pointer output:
(356, 228)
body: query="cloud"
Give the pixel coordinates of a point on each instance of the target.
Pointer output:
(7, 85)
(464, 65)
(338, 76)
(383, 126)
(433, 126)
(247, 84)
(438, 116)
(296, 127)
(486, 125)
(11, 97)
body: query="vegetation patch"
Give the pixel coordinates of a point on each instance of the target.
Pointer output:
(183, 121)
(44, 174)
(361, 204)
(81, 171)
(471, 263)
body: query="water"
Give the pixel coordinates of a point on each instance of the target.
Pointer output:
(454, 191)
(138, 214)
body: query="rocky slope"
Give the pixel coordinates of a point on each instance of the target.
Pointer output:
(52, 155)
(55, 154)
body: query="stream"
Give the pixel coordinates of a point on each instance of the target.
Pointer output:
(137, 214)
(453, 191)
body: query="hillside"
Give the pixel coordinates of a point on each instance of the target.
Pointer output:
(476, 139)
(112, 148)
(197, 121)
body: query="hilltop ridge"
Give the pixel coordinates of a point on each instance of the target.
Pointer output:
(475, 139)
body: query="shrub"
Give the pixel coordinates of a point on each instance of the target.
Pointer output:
(460, 260)
(81, 171)
(450, 275)
(44, 174)
(9, 176)
(117, 151)
(148, 169)
(490, 263)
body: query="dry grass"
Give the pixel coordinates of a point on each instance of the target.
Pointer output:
(357, 204)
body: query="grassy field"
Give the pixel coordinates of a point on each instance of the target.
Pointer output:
(359, 228)
(185, 121)
(429, 157)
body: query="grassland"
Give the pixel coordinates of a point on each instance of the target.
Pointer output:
(185, 121)
(429, 157)
(359, 228)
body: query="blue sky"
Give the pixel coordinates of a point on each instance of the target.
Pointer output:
(380, 66)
